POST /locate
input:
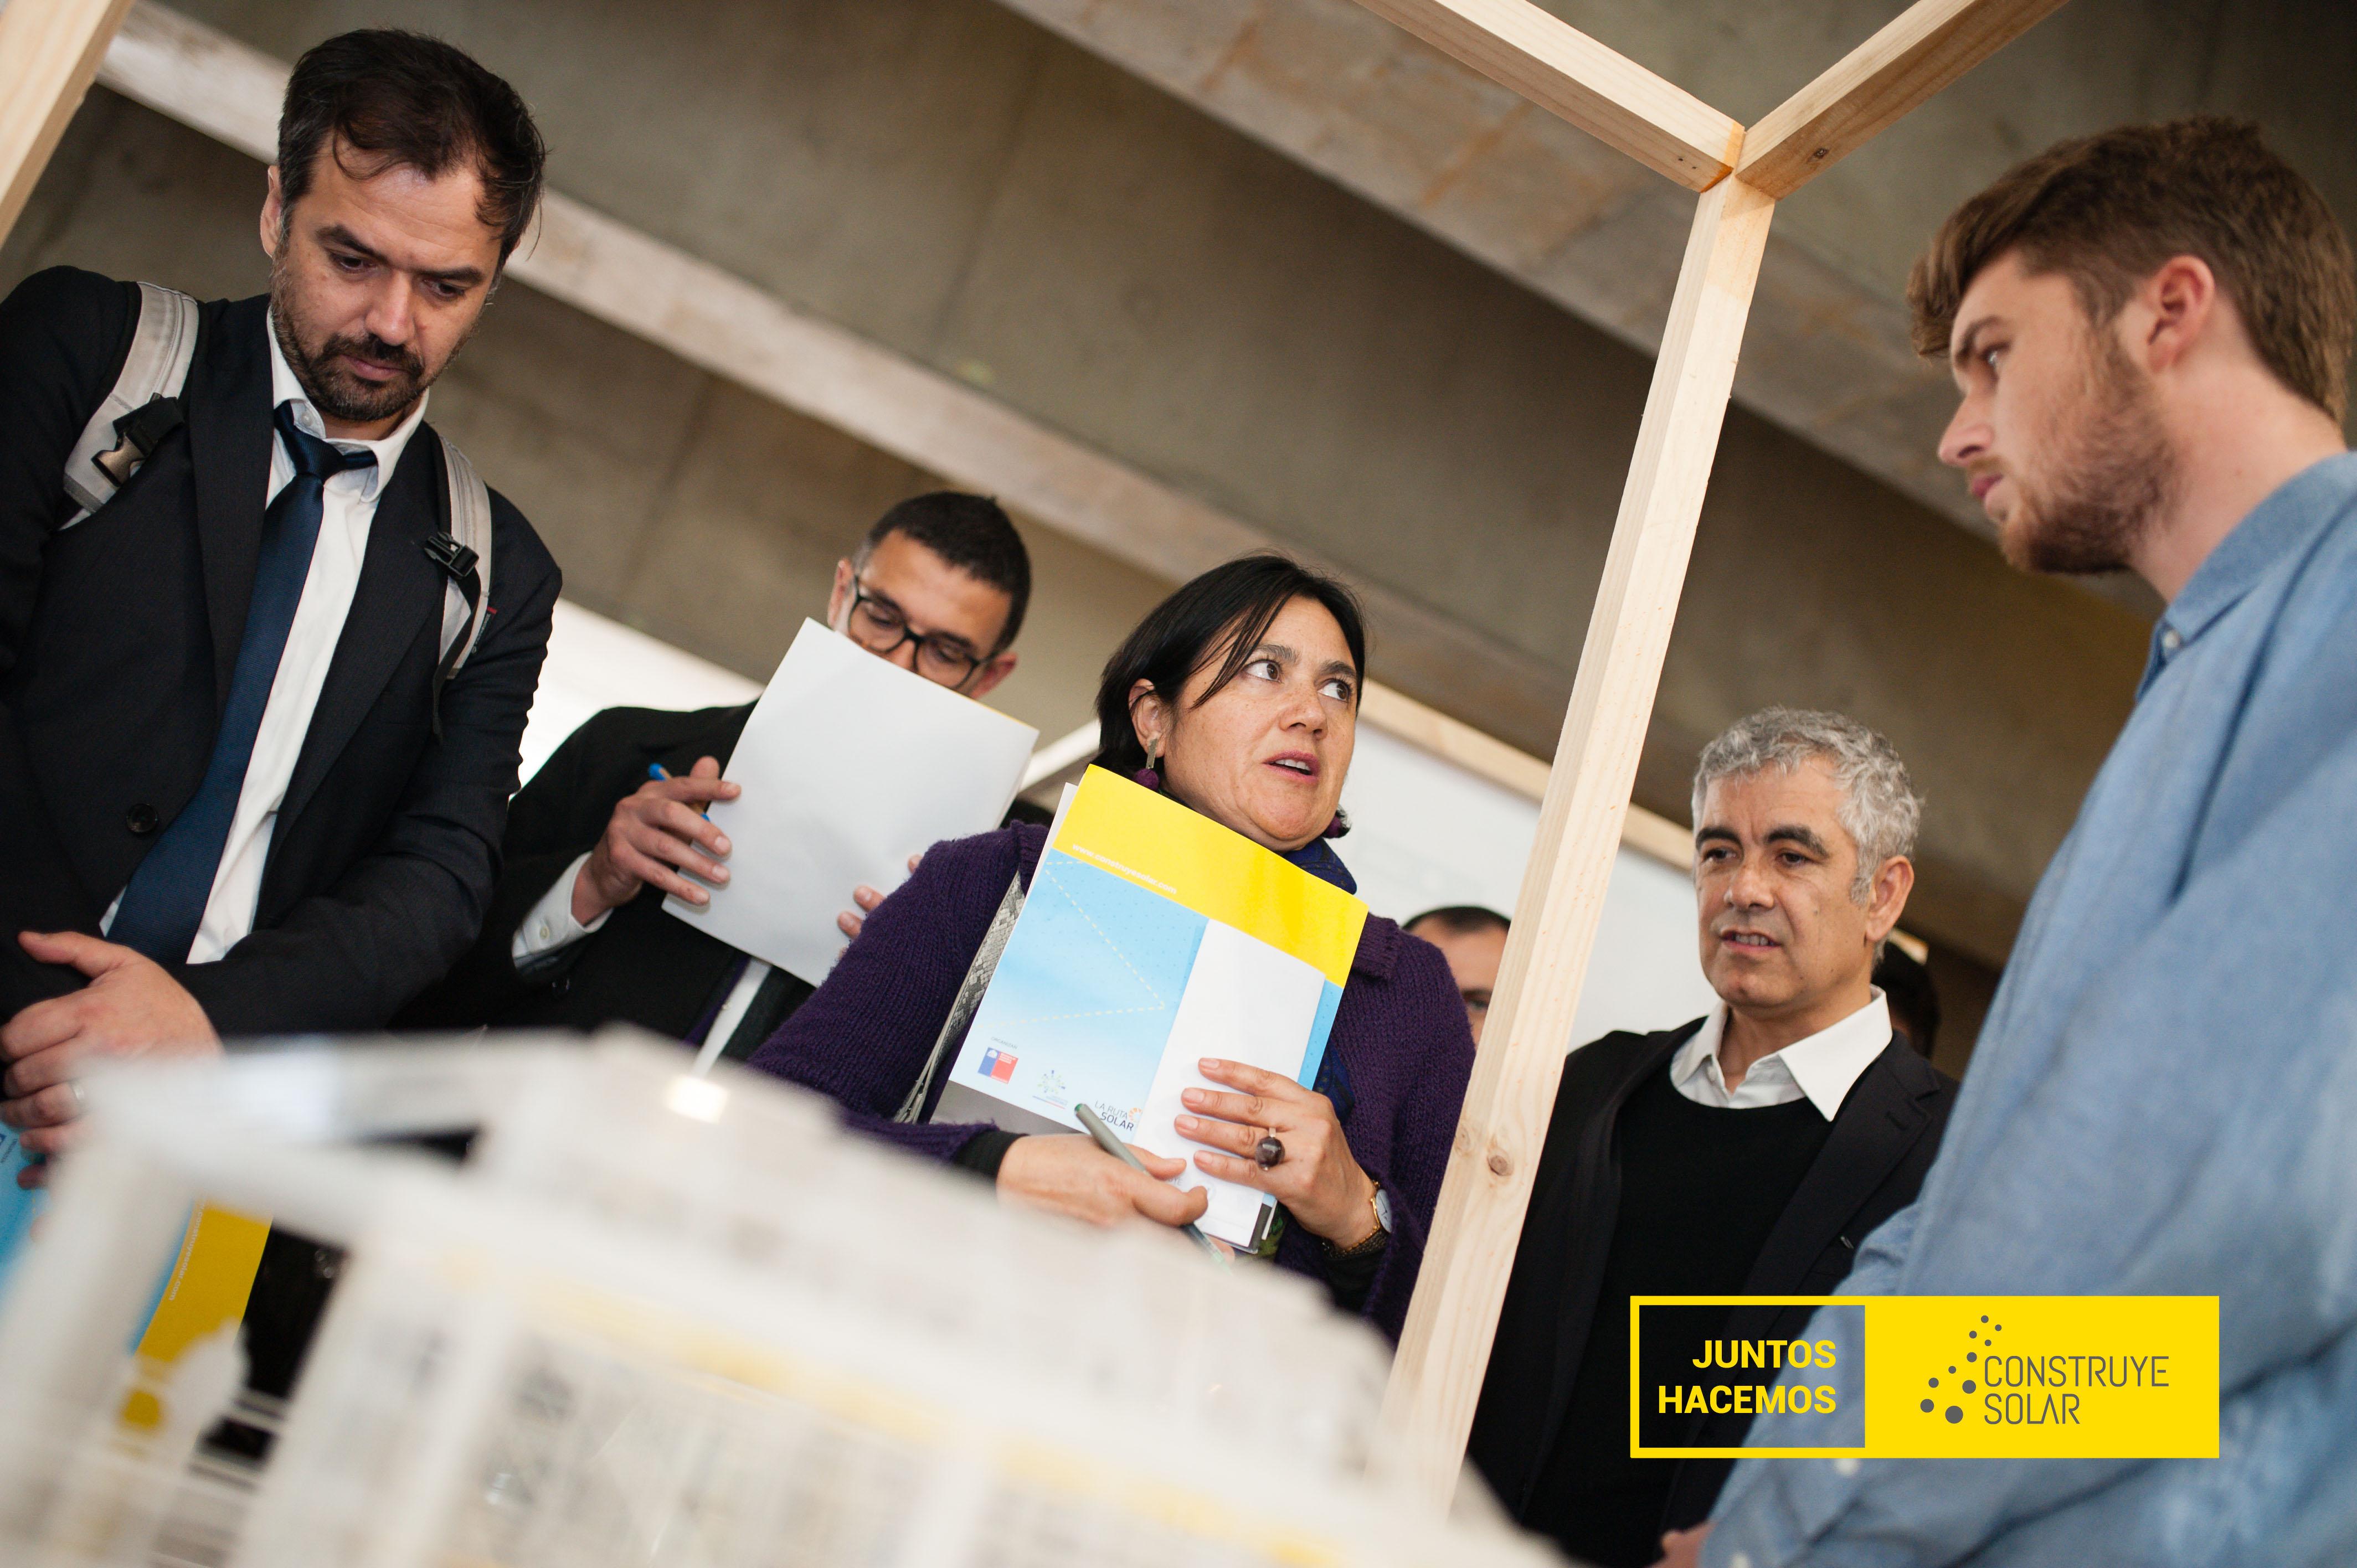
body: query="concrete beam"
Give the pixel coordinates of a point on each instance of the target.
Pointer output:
(711, 318)
(1390, 117)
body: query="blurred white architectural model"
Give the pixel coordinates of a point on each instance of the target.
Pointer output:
(660, 1319)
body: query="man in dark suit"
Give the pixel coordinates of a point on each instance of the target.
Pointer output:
(577, 936)
(237, 794)
(1746, 1153)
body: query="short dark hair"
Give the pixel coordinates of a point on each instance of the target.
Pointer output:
(1463, 919)
(1914, 1000)
(973, 534)
(2107, 211)
(1227, 610)
(401, 99)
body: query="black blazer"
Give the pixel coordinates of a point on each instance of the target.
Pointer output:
(642, 966)
(117, 641)
(1882, 1142)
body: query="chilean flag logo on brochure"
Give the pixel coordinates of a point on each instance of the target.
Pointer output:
(998, 1064)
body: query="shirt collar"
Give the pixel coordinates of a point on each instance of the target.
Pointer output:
(1824, 1064)
(2281, 525)
(284, 387)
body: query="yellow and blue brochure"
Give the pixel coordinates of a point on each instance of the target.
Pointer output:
(1152, 938)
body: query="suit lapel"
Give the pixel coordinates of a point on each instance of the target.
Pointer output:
(227, 405)
(1593, 1196)
(1879, 1122)
(397, 601)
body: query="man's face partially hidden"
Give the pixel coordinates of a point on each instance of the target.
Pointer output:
(904, 580)
(375, 284)
(2059, 433)
(1473, 959)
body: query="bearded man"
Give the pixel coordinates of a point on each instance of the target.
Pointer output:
(247, 786)
(2150, 331)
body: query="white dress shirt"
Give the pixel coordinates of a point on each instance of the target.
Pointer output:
(550, 927)
(347, 509)
(1821, 1067)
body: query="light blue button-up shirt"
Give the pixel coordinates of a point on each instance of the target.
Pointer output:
(2163, 1102)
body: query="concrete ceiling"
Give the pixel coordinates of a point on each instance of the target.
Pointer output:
(1827, 355)
(1297, 323)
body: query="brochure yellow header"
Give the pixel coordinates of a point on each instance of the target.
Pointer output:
(1147, 838)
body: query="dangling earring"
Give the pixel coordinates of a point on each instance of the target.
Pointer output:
(1147, 775)
(1337, 827)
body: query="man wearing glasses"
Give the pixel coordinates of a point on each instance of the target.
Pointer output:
(576, 936)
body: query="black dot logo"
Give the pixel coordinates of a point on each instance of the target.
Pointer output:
(1955, 1415)
(1927, 1407)
(1968, 1385)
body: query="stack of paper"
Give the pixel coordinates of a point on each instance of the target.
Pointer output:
(850, 765)
(1153, 938)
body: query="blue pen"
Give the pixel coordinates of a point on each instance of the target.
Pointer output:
(658, 772)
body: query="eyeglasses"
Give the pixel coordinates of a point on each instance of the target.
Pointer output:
(878, 626)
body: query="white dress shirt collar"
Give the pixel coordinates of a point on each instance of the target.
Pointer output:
(285, 387)
(1821, 1067)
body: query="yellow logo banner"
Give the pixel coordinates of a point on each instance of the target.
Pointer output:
(1926, 1377)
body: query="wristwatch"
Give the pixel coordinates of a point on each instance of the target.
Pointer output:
(1381, 1202)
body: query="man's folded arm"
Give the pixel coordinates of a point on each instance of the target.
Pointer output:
(63, 336)
(553, 823)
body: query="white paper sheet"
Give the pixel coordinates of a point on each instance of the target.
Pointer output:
(1245, 1002)
(850, 765)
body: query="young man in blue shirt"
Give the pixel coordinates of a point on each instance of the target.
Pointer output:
(2151, 330)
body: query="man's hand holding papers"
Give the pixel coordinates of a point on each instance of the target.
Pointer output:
(658, 827)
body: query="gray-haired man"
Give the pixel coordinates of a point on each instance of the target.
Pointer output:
(1745, 1153)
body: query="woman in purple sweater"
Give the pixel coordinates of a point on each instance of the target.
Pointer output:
(1238, 696)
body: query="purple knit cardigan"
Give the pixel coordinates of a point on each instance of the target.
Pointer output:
(1400, 1050)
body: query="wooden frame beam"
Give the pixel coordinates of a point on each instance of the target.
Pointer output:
(1445, 1349)
(1562, 70)
(49, 51)
(1926, 47)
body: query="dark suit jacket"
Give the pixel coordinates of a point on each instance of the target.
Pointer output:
(117, 641)
(642, 966)
(1872, 1161)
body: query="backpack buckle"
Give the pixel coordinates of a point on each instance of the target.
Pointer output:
(456, 560)
(138, 433)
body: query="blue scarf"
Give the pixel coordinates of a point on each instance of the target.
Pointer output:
(1318, 858)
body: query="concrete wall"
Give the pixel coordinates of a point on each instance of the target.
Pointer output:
(955, 183)
(675, 501)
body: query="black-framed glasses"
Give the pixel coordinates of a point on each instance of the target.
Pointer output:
(878, 626)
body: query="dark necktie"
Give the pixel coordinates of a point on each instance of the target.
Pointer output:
(164, 902)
